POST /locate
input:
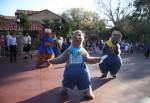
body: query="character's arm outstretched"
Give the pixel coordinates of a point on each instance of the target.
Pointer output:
(60, 59)
(93, 60)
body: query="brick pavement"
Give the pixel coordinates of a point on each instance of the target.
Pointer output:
(21, 82)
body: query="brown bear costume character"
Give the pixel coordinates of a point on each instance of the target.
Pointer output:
(45, 50)
(113, 61)
(76, 71)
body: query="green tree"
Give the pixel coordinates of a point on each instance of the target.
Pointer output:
(114, 10)
(2, 20)
(74, 17)
(25, 22)
(62, 27)
(56, 25)
(66, 28)
(45, 22)
(141, 20)
(88, 21)
(142, 10)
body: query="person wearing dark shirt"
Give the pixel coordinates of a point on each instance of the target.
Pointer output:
(147, 50)
(113, 62)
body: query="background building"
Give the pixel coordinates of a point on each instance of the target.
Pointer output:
(36, 18)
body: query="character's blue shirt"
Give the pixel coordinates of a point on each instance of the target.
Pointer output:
(109, 48)
(43, 48)
(75, 55)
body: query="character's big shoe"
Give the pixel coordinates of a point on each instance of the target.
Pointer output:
(49, 66)
(63, 92)
(89, 96)
(37, 65)
(114, 76)
(103, 76)
(25, 57)
(31, 56)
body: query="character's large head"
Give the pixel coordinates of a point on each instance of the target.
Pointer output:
(116, 37)
(47, 29)
(77, 38)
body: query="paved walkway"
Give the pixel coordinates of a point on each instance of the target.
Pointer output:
(21, 82)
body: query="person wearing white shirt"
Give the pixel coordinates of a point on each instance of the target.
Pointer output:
(7, 39)
(12, 43)
(60, 40)
(27, 45)
(7, 44)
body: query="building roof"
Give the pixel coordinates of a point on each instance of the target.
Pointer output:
(9, 17)
(11, 24)
(47, 11)
(29, 12)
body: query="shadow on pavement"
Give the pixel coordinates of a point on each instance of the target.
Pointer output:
(14, 81)
(97, 82)
(21, 65)
(135, 68)
(53, 96)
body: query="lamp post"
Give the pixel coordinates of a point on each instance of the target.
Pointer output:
(98, 21)
(19, 46)
(18, 22)
(60, 30)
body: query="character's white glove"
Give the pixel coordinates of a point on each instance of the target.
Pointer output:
(47, 30)
(48, 60)
(104, 57)
(45, 60)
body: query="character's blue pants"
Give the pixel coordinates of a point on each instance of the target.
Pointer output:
(76, 75)
(111, 64)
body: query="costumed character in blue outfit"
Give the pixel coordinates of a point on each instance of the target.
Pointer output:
(45, 50)
(113, 62)
(76, 71)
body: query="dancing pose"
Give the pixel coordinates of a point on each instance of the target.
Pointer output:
(76, 71)
(113, 62)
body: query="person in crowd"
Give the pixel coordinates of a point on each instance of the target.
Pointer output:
(101, 44)
(27, 46)
(65, 44)
(147, 50)
(57, 46)
(60, 40)
(2, 44)
(7, 44)
(12, 43)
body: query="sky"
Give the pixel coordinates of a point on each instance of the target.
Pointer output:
(8, 7)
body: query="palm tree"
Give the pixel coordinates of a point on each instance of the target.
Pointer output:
(25, 22)
(1, 20)
(45, 22)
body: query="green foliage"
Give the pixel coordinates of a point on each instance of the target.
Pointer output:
(1, 19)
(67, 28)
(25, 22)
(141, 20)
(62, 28)
(56, 25)
(142, 10)
(89, 22)
(45, 22)
(114, 12)
(105, 34)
